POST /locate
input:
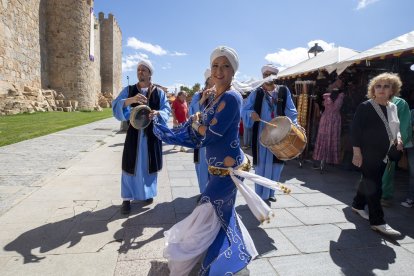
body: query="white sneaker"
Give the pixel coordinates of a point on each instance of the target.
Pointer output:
(408, 203)
(385, 229)
(360, 212)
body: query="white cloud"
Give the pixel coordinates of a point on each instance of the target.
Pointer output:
(175, 88)
(243, 77)
(129, 63)
(166, 66)
(178, 54)
(285, 58)
(140, 45)
(364, 3)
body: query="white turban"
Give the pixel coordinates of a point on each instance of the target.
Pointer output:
(271, 68)
(147, 64)
(207, 74)
(229, 53)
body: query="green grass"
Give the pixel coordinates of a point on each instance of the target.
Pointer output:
(20, 127)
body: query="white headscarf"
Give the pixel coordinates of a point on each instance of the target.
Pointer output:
(271, 68)
(147, 64)
(229, 53)
(207, 73)
(233, 58)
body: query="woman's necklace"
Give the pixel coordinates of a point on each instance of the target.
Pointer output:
(215, 100)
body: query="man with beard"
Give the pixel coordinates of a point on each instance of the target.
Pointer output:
(142, 155)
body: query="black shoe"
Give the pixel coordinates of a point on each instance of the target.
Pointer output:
(272, 199)
(149, 200)
(268, 202)
(126, 207)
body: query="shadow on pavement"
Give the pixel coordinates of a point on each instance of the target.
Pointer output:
(359, 253)
(72, 230)
(263, 243)
(116, 145)
(68, 231)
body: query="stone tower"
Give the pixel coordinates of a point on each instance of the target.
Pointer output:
(46, 44)
(111, 54)
(71, 71)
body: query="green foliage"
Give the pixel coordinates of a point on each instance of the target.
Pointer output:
(20, 127)
(190, 92)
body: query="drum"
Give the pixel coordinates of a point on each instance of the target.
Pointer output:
(284, 139)
(139, 117)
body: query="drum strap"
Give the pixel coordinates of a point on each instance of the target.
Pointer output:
(255, 138)
(131, 149)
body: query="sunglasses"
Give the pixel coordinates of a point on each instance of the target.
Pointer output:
(379, 86)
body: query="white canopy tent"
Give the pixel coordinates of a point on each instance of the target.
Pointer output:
(394, 47)
(323, 61)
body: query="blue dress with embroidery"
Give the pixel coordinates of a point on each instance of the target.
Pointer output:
(229, 251)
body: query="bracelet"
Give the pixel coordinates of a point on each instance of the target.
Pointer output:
(195, 125)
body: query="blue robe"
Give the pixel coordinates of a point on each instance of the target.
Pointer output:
(201, 167)
(265, 166)
(142, 185)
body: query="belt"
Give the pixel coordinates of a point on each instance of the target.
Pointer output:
(225, 172)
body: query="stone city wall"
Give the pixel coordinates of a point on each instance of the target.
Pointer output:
(44, 47)
(20, 54)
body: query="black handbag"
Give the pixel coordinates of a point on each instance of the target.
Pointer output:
(394, 154)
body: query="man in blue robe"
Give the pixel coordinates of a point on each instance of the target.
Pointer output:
(198, 102)
(142, 155)
(265, 103)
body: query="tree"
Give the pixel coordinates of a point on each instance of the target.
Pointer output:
(185, 89)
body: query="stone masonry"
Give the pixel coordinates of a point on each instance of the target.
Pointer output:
(44, 57)
(111, 60)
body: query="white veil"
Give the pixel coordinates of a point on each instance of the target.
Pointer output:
(244, 87)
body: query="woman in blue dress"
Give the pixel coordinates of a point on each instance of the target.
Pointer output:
(199, 101)
(214, 230)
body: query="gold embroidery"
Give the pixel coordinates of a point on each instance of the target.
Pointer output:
(225, 172)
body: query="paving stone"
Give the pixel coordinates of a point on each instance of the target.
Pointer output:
(282, 218)
(102, 263)
(380, 260)
(317, 214)
(316, 199)
(319, 238)
(143, 242)
(261, 267)
(271, 242)
(312, 264)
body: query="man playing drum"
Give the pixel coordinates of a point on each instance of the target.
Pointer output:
(142, 155)
(265, 103)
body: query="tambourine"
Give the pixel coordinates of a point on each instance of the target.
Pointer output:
(139, 117)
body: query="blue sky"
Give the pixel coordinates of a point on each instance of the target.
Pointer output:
(178, 36)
